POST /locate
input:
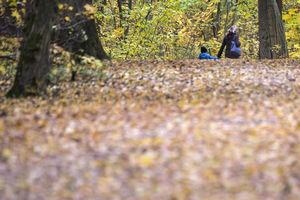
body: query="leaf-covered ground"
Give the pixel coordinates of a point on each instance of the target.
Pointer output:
(169, 130)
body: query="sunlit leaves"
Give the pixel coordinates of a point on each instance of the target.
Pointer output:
(90, 9)
(60, 6)
(292, 19)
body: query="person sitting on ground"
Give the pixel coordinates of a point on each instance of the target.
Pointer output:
(205, 55)
(232, 43)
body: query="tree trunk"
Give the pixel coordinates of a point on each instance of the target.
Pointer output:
(93, 46)
(120, 12)
(216, 26)
(271, 31)
(34, 65)
(83, 37)
(226, 24)
(126, 32)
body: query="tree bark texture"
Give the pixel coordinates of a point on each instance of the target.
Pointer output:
(33, 65)
(93, 46)
(271, 31)
(280, 6)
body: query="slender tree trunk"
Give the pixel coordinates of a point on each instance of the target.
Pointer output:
(216, 26)
(271, 31)
(33, 65)
(226, 25)
(126, 32)
(93, 46)
(120, 12)
(235, 14)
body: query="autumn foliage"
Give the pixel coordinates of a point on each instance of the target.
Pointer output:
(152, 122)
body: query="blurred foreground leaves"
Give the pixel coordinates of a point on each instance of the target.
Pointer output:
(185, 129)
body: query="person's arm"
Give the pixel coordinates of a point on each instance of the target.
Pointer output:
(212, 57)
(237, 41)
(222, 48)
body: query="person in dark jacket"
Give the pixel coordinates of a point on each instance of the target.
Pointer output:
(204, 55)
(232, 43)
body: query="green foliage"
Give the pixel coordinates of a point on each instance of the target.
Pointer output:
(16, 13)
(292, 20)
(176, 29)
(65, 64)
(8, 47)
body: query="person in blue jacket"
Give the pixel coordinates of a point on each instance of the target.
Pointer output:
(204, 55)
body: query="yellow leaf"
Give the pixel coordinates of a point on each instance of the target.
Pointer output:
(71, 8)
(146, 160)
(6, 153)
(90, 9)
(16, 14)
(60, 6)
(210, 175)
(67, 18)
(2, 183)
(2, 70)
(1, 127)
(118, 33)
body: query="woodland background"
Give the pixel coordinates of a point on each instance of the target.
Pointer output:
(174, 29)
(152, 122)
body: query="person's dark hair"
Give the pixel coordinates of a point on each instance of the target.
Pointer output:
(203, 49)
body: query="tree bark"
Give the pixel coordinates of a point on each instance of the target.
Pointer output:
(34, 66)
(93, 46)
(271, 31)
(126, 32)
(226, 24)
(280, 6)
(216, 26)
(120, 12)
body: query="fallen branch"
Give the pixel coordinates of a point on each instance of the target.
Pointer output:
(8, 56)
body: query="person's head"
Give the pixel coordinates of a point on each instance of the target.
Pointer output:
(233, 29)
(203, 49)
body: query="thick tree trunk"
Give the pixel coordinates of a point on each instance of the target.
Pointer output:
(271, 31)
(83, 37)
(93, 46)
(33, 65)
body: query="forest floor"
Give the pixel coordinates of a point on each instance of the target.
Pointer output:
(185, 129)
